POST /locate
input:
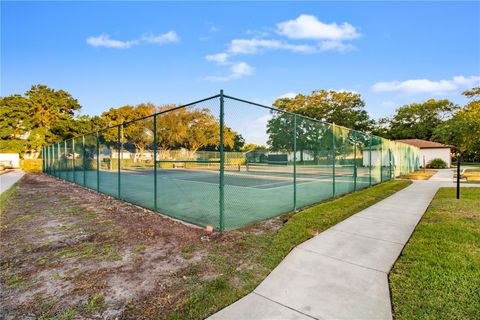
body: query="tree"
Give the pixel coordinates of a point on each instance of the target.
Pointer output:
(252, 146)
(138, 133)
(204, 130)
(343, 108)
(238, 143)
(14, 124)
(310, 135)
(463, 129)
(28, 122)
(416, 120)
(193, 129)
(79, 126)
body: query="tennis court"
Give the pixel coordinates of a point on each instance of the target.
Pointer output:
(192, 194)
(304, 162)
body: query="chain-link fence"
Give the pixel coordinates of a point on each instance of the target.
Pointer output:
(185, 161)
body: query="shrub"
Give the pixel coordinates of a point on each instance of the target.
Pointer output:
(32, 165)
(437, 163)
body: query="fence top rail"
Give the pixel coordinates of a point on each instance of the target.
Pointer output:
(369, 135)
(296, 114)
(142, 118)
(171, 109)
(308, 118)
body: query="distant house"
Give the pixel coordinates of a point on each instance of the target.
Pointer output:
(9, 160)
(431, 150)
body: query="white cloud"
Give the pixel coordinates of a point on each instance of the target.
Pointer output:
(242, 69)
(256, 130)
(418, 86)
(388, 103)
(346, 90)
(309, 27)
(289, 95)
(220, 58)
(467, 82)
(257, 34)
(326, 37)
(211, 27)
(170, 36)
(254, 46)
(104, 40)
(237, 70)
(334, 45)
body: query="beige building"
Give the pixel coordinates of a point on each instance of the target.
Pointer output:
(431, 150)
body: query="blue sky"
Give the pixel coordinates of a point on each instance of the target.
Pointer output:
(108, 54)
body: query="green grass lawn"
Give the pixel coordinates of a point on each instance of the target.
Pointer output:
(472, 175)
(419, 174)
(262, 252)
(438, 274)
(476, 164)
(6, 195)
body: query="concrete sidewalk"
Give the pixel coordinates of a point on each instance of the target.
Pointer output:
(343, 272)
(8, 179)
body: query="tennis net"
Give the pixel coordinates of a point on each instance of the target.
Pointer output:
(304, 170)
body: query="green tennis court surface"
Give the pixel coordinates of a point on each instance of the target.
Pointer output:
(193, 194)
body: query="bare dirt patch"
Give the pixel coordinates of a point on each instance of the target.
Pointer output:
(69, 252)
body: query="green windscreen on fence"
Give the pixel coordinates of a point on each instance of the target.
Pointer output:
(227, 162)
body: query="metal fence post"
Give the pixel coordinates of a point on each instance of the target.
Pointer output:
(98, 164)
(65, 156)
(458, 175)
(46, 159)
(370, 163)
(73, 159)
(355, 166)
(222, 163)
(400, 159)
(381, 164)
(294, 162)
(119, 150)
(334, 153)
(390, 163)
(59, 160)
(155, 162)
(84, 154)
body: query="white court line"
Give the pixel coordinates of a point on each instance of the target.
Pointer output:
(284, 184)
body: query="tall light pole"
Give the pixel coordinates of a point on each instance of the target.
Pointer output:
(458, 175)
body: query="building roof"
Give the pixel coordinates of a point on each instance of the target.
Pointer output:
(424, 144)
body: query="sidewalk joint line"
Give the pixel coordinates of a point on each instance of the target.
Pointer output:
(362, 235)
(386, 221)
(261, 295)
(380, 209)
(345, 261)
